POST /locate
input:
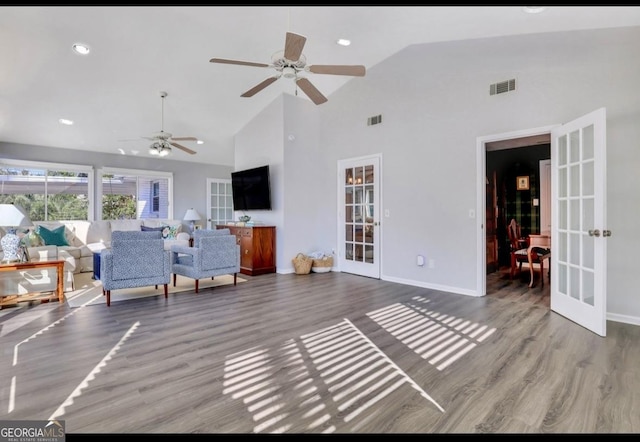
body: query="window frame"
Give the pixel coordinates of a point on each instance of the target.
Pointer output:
(138, 173)
(63, 167)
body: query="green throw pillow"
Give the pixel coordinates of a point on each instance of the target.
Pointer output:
(53, 237)
(31, 239)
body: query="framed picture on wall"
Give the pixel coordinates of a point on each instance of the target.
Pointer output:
(522, 183)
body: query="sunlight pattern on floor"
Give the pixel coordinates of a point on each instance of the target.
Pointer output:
(440, 339)
(338, 375)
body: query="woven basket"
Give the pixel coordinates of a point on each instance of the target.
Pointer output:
(302, 264)
(322, 265)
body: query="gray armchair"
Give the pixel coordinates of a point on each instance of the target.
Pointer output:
(214, 252)
(135, 259)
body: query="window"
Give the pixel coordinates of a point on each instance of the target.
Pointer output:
(48, 191)
(219, 201)
(135, 194)
(155, 196)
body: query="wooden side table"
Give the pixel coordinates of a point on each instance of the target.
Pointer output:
(57, 263)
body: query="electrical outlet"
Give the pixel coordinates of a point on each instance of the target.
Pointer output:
(386, 213)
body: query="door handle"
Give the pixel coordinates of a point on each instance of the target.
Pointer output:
(595, 232)
(606, 233)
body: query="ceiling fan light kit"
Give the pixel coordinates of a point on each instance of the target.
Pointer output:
(291, 62)
(160, 148)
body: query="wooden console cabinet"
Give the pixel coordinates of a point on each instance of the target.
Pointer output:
(257, 248)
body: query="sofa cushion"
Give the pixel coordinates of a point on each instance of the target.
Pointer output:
(55, 237)
(125, 225)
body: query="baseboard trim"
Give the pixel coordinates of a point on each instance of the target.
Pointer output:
(442, 288)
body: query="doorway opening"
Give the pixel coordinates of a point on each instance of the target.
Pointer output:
(511, 168)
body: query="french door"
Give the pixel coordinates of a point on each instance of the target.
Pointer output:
(219, 202)
(358, 215)
(578, 227)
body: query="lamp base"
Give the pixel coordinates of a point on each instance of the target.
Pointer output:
(10, 245)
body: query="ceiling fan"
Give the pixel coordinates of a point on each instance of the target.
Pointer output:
(290, 62)
(163, 141)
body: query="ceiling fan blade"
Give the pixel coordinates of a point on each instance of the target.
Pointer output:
(243, 63)
(180, 146)
(293, 46)
(184, 138)
(254, 90)
(337, 69)
(311, 91)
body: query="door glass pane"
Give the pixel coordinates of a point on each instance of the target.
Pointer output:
(588, 288)
(574, 176)
(368, 254)
(587, 143)
(587, 179)
(574, 215)
(562, 182)
(348, 176)
(348, 232)
(562, 247)
(588, 250)
(588, 212)
(574, 248)
(562, 279)
(348, 214)
(574, 146)
(574, 283)
(562, 215)
(358, 175)
(348, 251)
(562, 150)
(358, 252)
(368, 174)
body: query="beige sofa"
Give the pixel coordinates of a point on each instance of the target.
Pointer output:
(87, 237)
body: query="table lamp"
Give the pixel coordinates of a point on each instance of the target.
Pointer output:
(12, 216)
(191, 216)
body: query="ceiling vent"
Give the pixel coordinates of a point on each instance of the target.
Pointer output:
(502, 87)
(374, 120)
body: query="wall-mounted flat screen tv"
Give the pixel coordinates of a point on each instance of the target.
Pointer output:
(250, 189)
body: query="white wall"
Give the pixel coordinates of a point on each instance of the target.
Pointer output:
(435, 102)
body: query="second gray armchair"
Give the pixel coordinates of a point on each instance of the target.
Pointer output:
(214, 252)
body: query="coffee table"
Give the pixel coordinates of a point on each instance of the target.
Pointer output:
(18, 266)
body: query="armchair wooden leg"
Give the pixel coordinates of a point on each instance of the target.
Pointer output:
(108, 298)
(235, 278)
(166, 291)
(174, 279)
(197, 286)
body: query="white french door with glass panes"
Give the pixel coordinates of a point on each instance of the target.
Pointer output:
(219, 202)
(578, 226)
(358, 215)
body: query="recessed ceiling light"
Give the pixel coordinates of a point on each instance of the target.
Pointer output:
(65, 121)
(343, 42)
(81, 49)
(533, 9)
(199, 142)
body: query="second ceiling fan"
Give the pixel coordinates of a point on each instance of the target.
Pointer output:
(290, 62)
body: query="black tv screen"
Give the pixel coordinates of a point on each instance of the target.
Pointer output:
(250, 189)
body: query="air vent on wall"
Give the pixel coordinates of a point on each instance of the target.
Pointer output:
(502, 87)
(374, 120)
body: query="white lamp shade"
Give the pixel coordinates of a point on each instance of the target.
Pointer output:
(191, 215)
(13, 215)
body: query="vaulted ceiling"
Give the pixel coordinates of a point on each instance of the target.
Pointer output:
(113, 93)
